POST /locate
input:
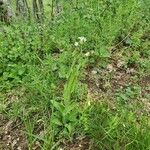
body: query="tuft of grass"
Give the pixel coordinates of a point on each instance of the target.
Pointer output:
(117, 129)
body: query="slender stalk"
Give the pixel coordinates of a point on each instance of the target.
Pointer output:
(52, 10)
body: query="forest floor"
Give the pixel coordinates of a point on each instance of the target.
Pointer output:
(102, 85)
(79, 80)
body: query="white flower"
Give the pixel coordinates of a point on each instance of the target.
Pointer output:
(76, 44)
(82, 39)
(87, 54)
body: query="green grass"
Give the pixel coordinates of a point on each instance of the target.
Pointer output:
(46, 75)
(117, 129)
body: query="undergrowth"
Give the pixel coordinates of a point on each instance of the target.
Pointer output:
(44, 67)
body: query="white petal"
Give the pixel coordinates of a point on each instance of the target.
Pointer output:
(76, 44)
(87, 54)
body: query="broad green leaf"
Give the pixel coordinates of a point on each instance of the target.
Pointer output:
(58, 105)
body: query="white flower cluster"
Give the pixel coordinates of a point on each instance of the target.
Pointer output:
(82, 40)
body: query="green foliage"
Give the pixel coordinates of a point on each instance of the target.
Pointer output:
(64, 119)
(44, 69)
(111, 129)
(65, 116)
(128, 94)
